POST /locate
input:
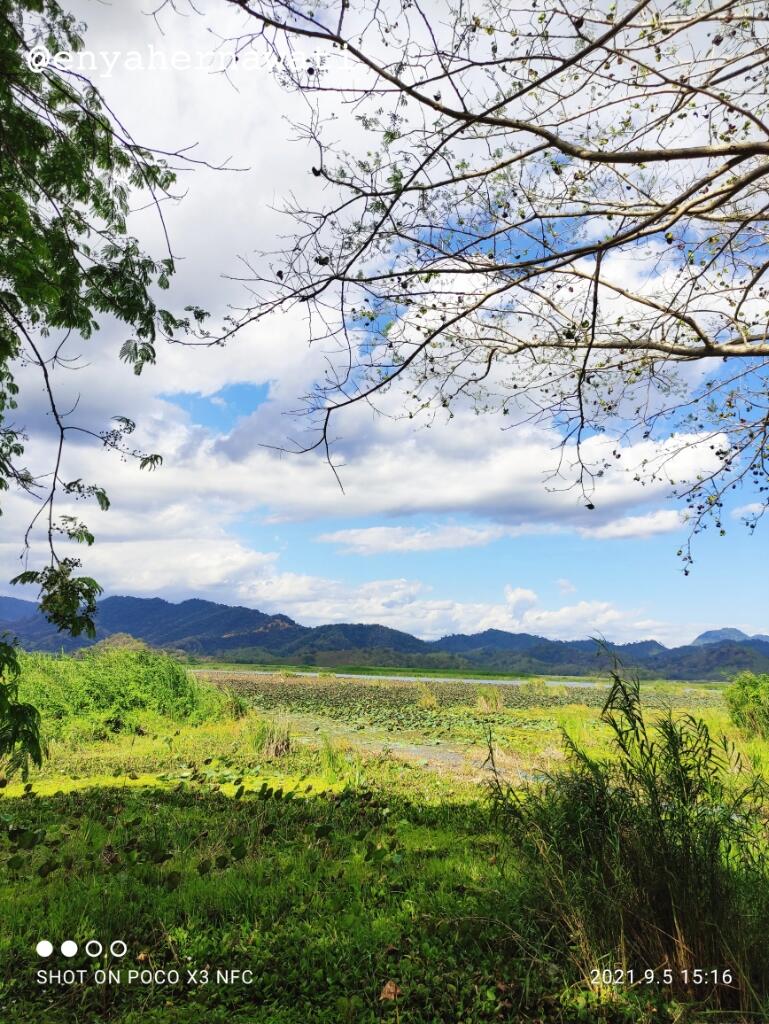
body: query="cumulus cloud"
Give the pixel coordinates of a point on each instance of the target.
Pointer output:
(410, 606)
(661, 521)
(375, 540)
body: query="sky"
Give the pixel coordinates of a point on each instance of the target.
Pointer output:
(448, 529)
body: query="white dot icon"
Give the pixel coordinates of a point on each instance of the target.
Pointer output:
(68, 948)
(44, 948)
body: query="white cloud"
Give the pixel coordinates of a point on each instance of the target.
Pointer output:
(375, 540)
(410, 606)
(662, 521)
(565, 586)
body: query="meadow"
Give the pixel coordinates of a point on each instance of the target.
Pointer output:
(344, 841)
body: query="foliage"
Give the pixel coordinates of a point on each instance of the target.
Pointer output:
(748, 701)
(453, 711)
(269, 739)
(428, 698)
(20, 738)
(118, 641)
(236, 704)
(68, 170)
(66, 601)
(329, 871)
(653, 858)
(325, 891)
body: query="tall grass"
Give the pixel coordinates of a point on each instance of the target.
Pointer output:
(535, 688)
(332, 761)
(113, 689)
(428, 698)
(269, 739)
(653, 858)
(490, 699)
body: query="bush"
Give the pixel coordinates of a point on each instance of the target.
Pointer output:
(111, 688)
(748, 700)
(652, 859)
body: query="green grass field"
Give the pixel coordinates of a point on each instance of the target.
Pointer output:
(334, 838)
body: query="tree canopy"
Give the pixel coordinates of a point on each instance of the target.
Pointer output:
(553, 212)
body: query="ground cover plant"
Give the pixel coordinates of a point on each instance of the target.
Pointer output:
(269, 829)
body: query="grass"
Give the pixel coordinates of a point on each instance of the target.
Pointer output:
(271, 827)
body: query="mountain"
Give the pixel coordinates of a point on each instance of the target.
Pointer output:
(715, 636)
(195, 626)
(14, 610)
(208, 629)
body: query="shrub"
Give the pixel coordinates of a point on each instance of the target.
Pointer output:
(748, 701)
(654, 858)
(111, 687)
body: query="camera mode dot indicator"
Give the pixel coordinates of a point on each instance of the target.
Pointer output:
(44, 948)
(68, 947)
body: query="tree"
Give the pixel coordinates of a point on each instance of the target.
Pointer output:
(68, 169)
(552, 212)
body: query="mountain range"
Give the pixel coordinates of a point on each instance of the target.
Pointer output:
(209, 630)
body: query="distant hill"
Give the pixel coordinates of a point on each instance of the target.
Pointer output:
(207, 629)
(196, 626)
(716, 636)
(14, 610)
